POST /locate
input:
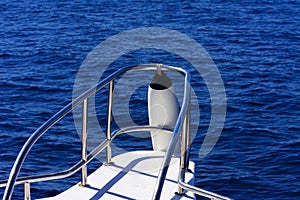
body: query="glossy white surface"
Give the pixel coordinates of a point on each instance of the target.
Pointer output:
(132, 176)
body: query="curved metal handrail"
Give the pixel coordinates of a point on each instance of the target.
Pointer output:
(175, 136)
(59, 115)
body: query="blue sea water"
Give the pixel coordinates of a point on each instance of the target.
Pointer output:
(255, 44)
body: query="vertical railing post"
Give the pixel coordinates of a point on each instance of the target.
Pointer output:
(109, 120)
(84, 141)
(27, 191)
(185, 144)
(187, 138)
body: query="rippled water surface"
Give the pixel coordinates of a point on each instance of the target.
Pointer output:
(255, 44)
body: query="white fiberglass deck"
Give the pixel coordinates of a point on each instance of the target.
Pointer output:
(132, 176)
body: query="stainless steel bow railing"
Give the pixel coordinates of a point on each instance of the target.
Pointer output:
(182, 126)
